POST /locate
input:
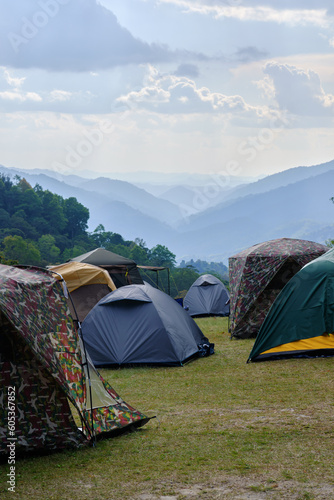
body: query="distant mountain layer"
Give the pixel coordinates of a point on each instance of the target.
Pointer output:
(116, 216)
(194, 222)
(296, 210)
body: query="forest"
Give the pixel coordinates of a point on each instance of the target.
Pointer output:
(41, 228)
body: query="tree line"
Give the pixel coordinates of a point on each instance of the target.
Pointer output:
(41, 228)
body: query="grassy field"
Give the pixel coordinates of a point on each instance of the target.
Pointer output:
(225, 429)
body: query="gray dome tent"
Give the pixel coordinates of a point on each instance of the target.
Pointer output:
(139, 324)
(207, 296)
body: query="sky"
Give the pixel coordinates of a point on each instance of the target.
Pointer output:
(194, 86)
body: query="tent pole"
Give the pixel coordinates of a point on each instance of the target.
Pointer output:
(168, 281)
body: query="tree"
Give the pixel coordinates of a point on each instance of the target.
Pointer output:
(98, 236)
(70, 253)
(116, 239)
(53, 213)
(7, 262)
(181, 280)
(4, 218)
(105, 239)
(77, 217)
(49, 251)
(24, 251)
(161, 256)
(30, 202)
(139, 255)
(19, 221)
(120, 250)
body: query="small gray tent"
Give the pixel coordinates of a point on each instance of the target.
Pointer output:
(139, 324)
(207, 296)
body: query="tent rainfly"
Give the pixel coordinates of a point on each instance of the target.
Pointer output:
(207, 296)
(258, 274)
(123, 271)
(44, 367)
(139, 324)
(86, 283)
(300, 323)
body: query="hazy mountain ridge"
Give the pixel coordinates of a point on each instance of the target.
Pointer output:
(115, 216)
(135, 197)
(307, 199)
(111, 190)
(280, 179)
(293, 203)
(300, 210)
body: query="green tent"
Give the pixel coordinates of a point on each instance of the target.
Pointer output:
(258, 274)
(300, 322)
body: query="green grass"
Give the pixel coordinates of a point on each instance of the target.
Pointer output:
(224, 428)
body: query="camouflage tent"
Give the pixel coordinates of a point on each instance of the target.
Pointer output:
(51, 396)
(257, 275)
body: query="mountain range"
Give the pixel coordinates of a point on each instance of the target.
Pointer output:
(207, 217)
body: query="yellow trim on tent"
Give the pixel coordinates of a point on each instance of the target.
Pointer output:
(324, 341)
(77, 274)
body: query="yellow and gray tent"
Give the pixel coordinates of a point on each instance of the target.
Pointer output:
(300, 322)
(122, 270)
(86, 283)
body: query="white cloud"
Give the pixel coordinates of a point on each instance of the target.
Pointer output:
(299, 91)
(15, 93)
(175, 94)
(12, 81)
(258, 12)
(60, 95)
(266, 86)
(21, 97)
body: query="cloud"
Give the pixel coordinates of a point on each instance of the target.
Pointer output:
(247, 54)
(292, 13)
(190, 70)
(176, 94)
(60, 95)
(12, 81)
(15, 93)
(298, 91)
(60, 35)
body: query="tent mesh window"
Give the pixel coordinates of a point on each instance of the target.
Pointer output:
(255, 316)
(284, 274)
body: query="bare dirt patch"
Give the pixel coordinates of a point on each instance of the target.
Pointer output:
(240, 488)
